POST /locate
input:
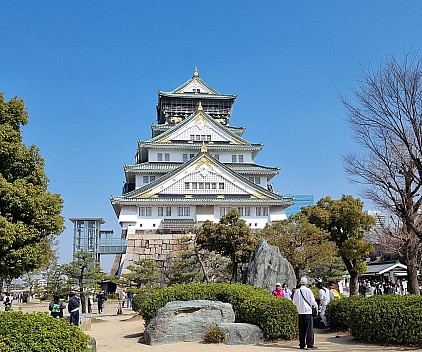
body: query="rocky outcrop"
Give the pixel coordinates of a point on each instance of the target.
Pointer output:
(186, 321)
(267, 266)
(241, 333)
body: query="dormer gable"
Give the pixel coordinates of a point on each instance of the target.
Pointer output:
(195, 86)
(197, 128)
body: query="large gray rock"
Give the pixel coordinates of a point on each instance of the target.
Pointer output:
(267, 267)
(242, 333)
(186, 321)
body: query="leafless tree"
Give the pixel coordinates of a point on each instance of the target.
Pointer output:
(385, 117)
(393, 238)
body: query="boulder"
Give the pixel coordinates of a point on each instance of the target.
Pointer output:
(241, 333)
(186, 321)
(267, 267)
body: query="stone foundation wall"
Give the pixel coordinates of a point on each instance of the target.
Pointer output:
(162, 248)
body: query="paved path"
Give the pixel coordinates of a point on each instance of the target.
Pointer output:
(123, 333)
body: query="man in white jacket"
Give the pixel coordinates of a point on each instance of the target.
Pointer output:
(304, 300)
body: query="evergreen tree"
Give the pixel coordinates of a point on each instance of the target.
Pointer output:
(29, 214)
(231, 237)
(85, 273)
(142, 275)
(196, 264)
(346, 223)
(303, 244)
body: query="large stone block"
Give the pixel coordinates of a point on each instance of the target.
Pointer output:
(241, 333)
(267, 266)
(186, 321)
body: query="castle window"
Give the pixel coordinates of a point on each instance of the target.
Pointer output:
(145, 179)
(258, 211)
(248, 212)
(240, 158)
(167, 157)
(160, 211)
(159, 156)
(185, 158)
(168, 211)
(145, 211)
(192, 137)
(234, 158)
(213, 185)
(187, 185)
(194, 185)
(265, 211)
(221, 185)
(191, 156)
(183, 211)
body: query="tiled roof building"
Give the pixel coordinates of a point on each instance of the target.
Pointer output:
(195, 167)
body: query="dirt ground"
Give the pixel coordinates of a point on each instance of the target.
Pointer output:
(124, 333)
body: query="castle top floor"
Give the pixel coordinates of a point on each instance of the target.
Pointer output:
(175, 106)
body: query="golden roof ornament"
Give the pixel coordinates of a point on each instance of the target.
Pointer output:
(203, 147)
(200, 106)
(195, 72)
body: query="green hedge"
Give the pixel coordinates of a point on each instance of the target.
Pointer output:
(39, 332)
(338, 312)
(388, 319)
(275, 316)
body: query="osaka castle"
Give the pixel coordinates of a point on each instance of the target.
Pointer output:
(195, 167)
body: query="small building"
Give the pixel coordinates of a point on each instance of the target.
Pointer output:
(385, 271)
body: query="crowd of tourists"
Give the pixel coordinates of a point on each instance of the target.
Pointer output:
(370, 288)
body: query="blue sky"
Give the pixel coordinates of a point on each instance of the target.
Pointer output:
(89, 72)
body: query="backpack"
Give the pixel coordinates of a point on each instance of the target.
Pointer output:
(56, 308)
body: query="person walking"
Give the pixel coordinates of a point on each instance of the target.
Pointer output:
(304, 300)
(129, 299)
(123, 296)
(324, 299)
(278, 291)
(90, 303)
(73, 308)
(56, 307)
(101, 301)
(287, 291)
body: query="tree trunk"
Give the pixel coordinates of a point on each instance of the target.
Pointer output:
(202, 264)
(354, 284)
(412, 277)
(81, 294)
(234, 270)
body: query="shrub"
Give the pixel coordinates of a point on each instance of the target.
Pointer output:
(338, 312)
(276, 317)
(388, 319)
(214, 334)
(39, 332)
